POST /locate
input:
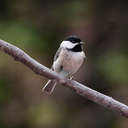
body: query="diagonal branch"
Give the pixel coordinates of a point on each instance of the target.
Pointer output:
(106, 101)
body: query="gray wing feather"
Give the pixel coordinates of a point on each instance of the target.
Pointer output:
(57, 54)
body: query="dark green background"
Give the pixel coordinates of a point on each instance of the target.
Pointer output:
(38, 27)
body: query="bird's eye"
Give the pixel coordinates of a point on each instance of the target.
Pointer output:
(73, 41)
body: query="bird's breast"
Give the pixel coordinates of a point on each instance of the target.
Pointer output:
(73, 61)
(69, 62)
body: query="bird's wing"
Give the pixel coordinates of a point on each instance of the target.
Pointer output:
(57, 54)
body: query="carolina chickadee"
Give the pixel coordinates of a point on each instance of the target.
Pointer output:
(68, 59)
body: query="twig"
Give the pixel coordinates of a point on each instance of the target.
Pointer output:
(106, 101)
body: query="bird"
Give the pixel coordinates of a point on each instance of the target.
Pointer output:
(67, 60)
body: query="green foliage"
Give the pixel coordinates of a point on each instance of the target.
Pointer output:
(5, 91)
(46, 114)
(114, 66)
(23, 35)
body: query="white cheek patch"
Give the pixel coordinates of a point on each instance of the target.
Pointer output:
(67, 44)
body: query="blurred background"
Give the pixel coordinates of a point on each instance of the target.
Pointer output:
(38, 27)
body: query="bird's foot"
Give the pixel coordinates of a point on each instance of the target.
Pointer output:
(71, 77)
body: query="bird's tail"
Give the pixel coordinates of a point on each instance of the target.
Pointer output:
(49, 87)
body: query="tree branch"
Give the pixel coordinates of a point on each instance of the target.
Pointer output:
(106, 101)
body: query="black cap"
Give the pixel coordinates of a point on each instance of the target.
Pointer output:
(73, 39)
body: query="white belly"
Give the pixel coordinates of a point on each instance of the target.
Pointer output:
(69, 61)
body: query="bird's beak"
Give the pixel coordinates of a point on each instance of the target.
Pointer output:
(82, 43)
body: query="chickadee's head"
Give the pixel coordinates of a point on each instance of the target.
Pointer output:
(72, 43)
